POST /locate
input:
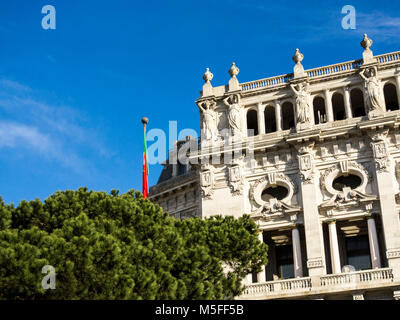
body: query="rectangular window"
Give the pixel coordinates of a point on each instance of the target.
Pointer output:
(284, 261)
(358, 253)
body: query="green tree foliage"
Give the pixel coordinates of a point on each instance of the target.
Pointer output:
(111, 246)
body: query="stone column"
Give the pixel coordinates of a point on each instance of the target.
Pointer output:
(373, 243)
(328, 105)
(398, 89)
(261, 119)
(261, 274)
(297, 261)
(386, 191)
(278, 115)
(347, 103)
(334, 246)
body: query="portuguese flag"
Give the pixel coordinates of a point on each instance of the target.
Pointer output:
(145, 167)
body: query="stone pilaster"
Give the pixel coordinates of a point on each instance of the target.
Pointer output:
(312, 225)
(386, 190)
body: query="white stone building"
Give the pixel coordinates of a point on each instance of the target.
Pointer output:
(316, 163)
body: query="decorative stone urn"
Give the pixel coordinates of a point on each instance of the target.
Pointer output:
(366, 42)
(298, 57)
(233, 71)
(208, 76)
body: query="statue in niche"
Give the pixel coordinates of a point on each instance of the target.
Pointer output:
(234, 117)
(209, 120)
(373, 89)
(302, 103)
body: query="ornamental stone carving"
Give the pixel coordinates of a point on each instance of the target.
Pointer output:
(393, 253)
(303, 115)
(207, 182)
(234, 114)
(272, 179)
(373, 90)
(306, 161)
(236, 179)
(315, 263)
(380, 150)
(343, 168)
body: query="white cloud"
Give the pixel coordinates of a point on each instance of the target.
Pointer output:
(55, 132)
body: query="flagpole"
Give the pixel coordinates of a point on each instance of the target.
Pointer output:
(145, 186)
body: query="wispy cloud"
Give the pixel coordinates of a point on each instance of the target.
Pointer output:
(55, 132)
(380, 24)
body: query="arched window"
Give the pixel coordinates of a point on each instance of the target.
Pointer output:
(269, 118)
(357, 103)
(338, 107)
(252, 123)
(287, 116)
(319, 110)
(390, 93)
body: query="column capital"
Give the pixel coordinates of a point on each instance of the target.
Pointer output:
(331, 221)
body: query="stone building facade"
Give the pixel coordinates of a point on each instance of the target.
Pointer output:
(314, 158)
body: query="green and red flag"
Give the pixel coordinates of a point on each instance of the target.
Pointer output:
(145, 167)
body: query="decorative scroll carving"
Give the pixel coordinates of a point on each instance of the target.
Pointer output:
(272, 179)
(273, 209)
(343, 167)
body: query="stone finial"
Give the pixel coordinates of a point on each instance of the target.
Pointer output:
(233, 82)
(207, 87)
(368, 55)
(366, 42)
(234, 70)
(298, 68)
(298, 57)
(208, 75)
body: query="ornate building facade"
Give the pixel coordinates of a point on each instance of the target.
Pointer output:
(314, 158)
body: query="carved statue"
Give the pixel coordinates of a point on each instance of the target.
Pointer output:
(234, 118)
(209, 120)
(373, 89)
(302, 105)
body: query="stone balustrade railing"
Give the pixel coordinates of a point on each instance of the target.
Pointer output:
(318, 72)
(334, 69)
(326, 283)
(357, 277)
(268, 82)
(388, 57)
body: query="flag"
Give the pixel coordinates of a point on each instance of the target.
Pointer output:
(145, 167)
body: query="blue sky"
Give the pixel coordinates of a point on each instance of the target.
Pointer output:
(71, 99)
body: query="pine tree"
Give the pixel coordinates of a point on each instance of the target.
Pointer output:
(112, 246)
